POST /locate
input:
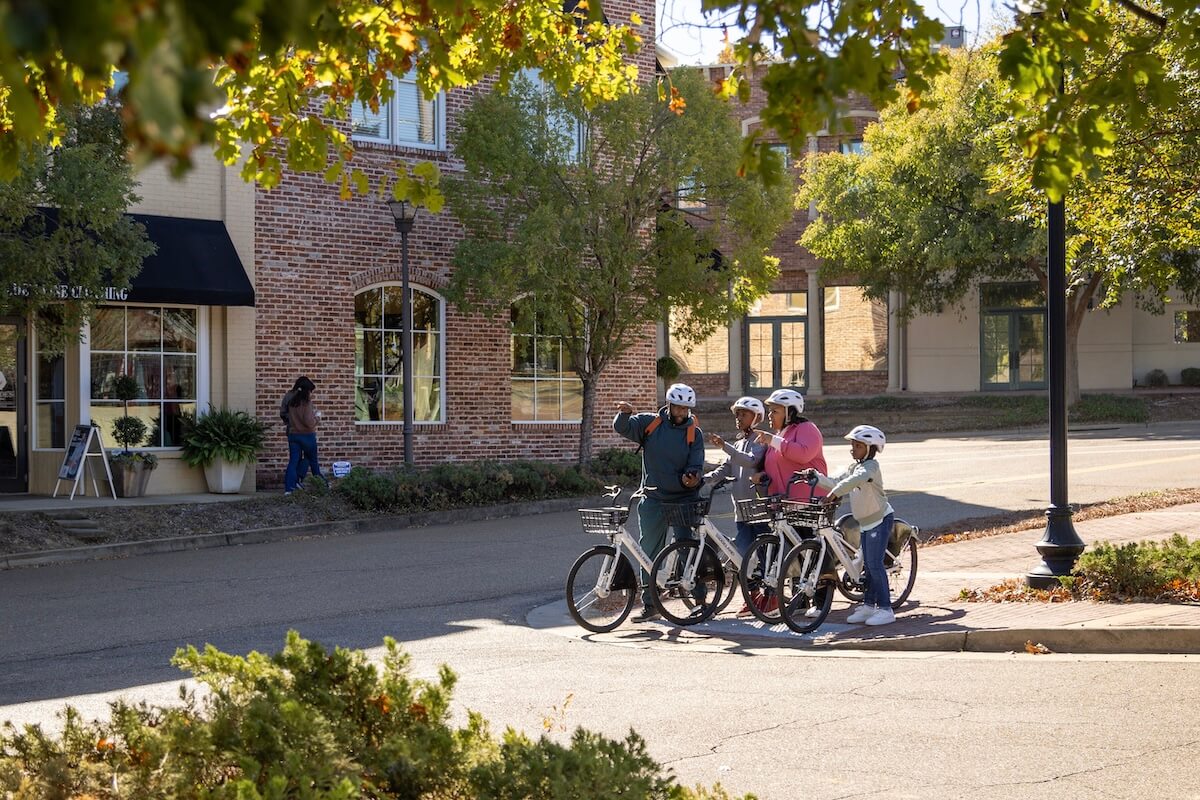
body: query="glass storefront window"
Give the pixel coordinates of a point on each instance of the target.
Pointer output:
(158, 347)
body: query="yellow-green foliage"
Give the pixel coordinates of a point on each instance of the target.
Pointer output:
(309, 722)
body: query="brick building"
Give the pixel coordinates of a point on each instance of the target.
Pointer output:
(328, 275)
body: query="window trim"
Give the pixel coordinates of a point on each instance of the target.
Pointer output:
(392, 111)
(534, 381)
(34, 382)
(84, 388)
(413, 287)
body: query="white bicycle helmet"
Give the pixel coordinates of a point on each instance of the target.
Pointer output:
(788, 398)
(868, 435)
(750, 404)
(680, 394)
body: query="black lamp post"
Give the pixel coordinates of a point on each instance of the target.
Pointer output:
(1060, 546)
(405, 214)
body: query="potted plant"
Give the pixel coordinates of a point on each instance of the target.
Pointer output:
(131, 470)
(223, 442)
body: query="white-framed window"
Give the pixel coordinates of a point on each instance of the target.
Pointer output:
(852, 147)
(379, 349)
(50, 396)
(689, 194)
(1187, 327)
(160, 347)
(783, 151)
(574, 130)
(833, 298)
(544, 387)
(407, 119)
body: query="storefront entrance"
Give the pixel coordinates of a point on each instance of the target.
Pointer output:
(14, 473)
(1012, 337)
(775, 353)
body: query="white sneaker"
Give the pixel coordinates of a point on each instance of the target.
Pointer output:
(813, 612)
(861, 614)
(882, 616)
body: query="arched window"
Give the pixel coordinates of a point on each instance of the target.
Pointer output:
(378, 346)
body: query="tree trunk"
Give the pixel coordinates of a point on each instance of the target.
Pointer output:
(587, 419)
(1077, 309)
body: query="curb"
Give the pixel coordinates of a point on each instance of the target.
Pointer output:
(1176, 640)
(201, 541)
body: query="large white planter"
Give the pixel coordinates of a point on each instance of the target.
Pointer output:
(223, 477)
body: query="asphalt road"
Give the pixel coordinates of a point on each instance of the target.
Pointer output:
(764, 719)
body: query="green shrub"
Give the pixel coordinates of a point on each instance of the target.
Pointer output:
(461, 485)
(1110, 408)
(306, 723)
(667, 368)
(1190, 376)
(620, 463)
(1156, 378)
(1141, 570)
(224, 433)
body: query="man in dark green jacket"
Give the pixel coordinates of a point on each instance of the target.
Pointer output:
(672, 463)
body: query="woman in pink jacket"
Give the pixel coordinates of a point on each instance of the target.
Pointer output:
(795, 445)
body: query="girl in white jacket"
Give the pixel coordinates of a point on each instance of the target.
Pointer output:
(863, 482)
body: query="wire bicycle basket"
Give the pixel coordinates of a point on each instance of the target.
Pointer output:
(759, 509)
(604, 521)
(805, 514)
(688, 514)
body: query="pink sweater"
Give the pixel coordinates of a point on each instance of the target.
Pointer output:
(802, 447)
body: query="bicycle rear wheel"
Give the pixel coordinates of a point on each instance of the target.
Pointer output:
(902, 572)
(851, 590)
(801, 589)
(690, 582)
(601, 591)
(731, 586)
(758, 577)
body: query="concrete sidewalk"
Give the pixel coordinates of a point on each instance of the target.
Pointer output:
(934, 619)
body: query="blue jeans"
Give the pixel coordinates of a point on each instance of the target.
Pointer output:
(747, 532)
(302, 470)
(652, 528)
(874, 545)
(302, 449)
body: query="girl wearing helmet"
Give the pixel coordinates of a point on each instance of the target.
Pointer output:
(863, 482)
(744, 459)
(794, 445)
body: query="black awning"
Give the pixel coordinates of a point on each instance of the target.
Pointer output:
(196, 264)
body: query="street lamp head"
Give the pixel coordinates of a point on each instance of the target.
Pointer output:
(404, 214)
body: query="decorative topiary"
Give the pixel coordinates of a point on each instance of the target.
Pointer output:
(1156, 378)
(1190, 376)
(128, 431)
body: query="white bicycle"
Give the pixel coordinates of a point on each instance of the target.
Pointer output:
(759, 572)
(803, 583)
(603, 585)
(694, 575)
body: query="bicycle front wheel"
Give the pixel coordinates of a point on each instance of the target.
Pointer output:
(804, 599)
(902, 572)
(731, 586)
(599, 591)
(758, 577)
(690, 583)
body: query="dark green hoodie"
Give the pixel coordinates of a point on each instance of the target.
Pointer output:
(666, 454)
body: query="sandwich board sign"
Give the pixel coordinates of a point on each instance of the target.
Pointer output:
(75, 461)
